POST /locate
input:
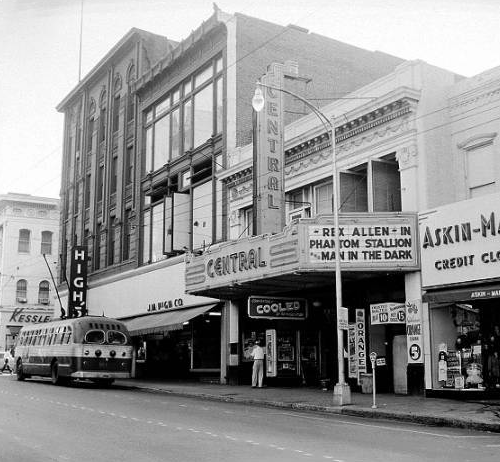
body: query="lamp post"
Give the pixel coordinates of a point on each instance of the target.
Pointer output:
(342, 392)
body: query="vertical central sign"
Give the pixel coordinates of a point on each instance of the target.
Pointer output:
(268, 156)
(77, 301)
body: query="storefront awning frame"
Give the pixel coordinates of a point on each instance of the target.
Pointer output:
(463, 294)
(165, 321)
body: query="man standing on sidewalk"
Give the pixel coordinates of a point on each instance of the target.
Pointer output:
(258, 365)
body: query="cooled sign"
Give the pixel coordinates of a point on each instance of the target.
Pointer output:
(273, 308)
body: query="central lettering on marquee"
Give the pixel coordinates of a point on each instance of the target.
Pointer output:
(235, 263)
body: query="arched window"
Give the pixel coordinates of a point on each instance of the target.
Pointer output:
(43, 292)
(46, 247)
(90, 126)
(22, 291)
(24, 241)
(117, 86)
(130, 95)
(102, 116)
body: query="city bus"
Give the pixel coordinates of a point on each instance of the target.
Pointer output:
(95, 348)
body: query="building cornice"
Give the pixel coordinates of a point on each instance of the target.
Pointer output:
(369, 121)
(158, 69)
(484, 86)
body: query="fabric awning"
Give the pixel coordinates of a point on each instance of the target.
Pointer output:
(463, 294)
(14, 330)
(164, 321)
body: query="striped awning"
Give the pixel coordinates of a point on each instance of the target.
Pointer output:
(164, 321)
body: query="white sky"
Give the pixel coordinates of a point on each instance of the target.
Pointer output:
(39, 42)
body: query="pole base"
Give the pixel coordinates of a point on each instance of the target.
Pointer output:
(341, 394)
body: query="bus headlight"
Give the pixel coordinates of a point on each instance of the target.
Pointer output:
(86, 352)
(98, 353)
(112, 353)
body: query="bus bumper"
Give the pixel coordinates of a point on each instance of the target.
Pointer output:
(100, 375)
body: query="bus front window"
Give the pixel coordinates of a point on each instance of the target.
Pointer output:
(116, 338)
(94, 336)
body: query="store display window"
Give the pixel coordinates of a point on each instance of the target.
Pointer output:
(465, 346)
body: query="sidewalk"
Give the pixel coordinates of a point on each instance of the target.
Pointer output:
(478, 415)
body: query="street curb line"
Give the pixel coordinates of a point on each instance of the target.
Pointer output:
(367, 413)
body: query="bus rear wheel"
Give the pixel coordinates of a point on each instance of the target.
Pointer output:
(55, 378)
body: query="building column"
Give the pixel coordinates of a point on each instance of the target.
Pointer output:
(229, 343)
(407, 158)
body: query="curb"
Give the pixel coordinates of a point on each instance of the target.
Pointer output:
(350, 411)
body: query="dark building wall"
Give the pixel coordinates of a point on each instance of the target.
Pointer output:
(335, 68)
(84, 152)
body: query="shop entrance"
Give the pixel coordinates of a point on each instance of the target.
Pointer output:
(489, 337)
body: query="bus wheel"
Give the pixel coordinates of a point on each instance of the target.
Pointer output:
(54, 374)
(19, 371)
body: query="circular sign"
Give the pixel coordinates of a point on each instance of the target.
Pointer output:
(415, 352)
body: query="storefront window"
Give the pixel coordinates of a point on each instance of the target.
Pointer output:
(203, 76)
(465, 346)
(175, 133)
(145, 236)
(206, 342)
(219, 107)
(161, 142)
(149, 149)
(188, 138)
(202, 215)
(203, 115)
(157, 233)
(324, 198)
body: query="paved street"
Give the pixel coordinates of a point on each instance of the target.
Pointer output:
(40, 422)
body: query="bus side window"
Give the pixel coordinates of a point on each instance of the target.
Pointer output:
(64, 335)
(51, 336)
(57, 336)
(68, 335)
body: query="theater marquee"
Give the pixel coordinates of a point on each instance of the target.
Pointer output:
(368, 242)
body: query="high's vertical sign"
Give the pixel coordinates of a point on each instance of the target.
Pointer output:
(268, 156)
(77, 301)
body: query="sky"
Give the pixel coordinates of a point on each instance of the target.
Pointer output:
(40, 41)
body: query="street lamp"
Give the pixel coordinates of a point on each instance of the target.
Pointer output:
(341, 392)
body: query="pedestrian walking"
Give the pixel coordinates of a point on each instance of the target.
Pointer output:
(258, 365)
(6, 366)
